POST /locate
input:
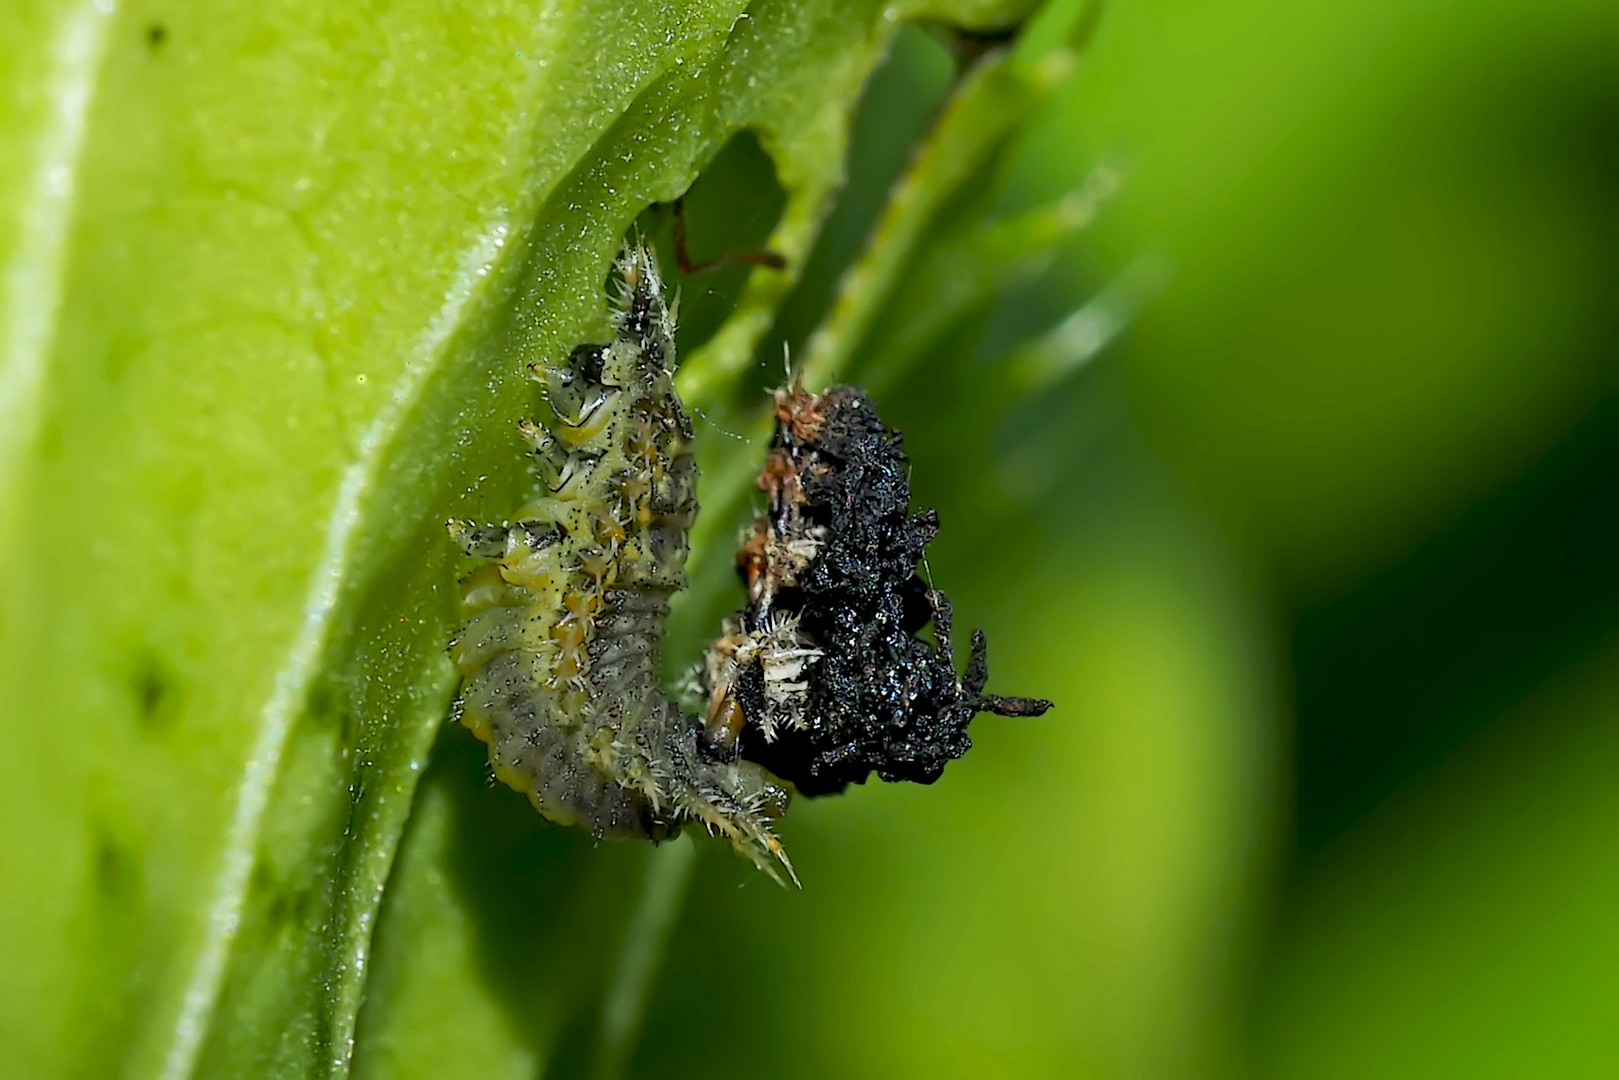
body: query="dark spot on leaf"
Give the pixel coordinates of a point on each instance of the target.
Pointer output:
(285, 903)
(328, 705)
(156, 35)
(155, 689)
(114, 867)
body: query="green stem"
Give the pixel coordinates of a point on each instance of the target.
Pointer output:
(992, 101)
(669, 869)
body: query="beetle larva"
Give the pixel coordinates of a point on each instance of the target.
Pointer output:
(822, 678)
(564, 623)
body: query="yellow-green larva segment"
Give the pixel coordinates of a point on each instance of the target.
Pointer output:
(563, 625)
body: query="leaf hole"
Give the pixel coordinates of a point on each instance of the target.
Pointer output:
(730, 210)
(895, 113)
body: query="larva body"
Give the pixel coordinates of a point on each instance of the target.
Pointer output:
(563, 624)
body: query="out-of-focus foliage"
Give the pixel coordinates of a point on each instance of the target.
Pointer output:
(1362, 431)
(1300, 506)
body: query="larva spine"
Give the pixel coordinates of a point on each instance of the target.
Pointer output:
(563, 623)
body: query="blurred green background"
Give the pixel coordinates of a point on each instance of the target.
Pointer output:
(1319, 558)
(1308, 525)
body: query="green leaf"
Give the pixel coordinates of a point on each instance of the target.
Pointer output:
(273, 274)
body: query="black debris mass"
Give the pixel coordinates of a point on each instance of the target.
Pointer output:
(838, 555)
